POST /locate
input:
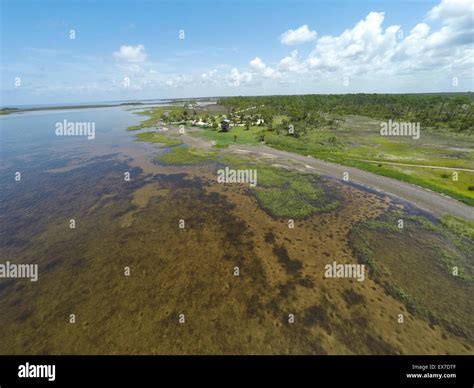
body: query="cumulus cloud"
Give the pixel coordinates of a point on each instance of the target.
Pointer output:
(368, 48)
(438, 47)
(257, 64)
(291, 63)
(447, 10)
(260, 67)
(355, 50)
(131, 53)
(237, 78)
(298, 36)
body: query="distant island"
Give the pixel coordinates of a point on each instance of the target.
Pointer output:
(8, 110)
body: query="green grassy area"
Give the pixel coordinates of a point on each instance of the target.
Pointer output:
(236, 135)
(436, 180)
(278, 119)
(187, 156)
(354, 146)
(284, 193)
(156, 114)
(157, 137)
(439, 180)
(459, 226)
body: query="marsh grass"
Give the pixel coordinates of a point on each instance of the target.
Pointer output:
(459, 226)
(284, 193)
(156, 137)
(187, 156)
(415, 266)
(154, 116)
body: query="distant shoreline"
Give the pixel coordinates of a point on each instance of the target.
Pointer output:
(6, 111)
(9, 110)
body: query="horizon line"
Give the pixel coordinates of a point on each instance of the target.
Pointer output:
(66, 104)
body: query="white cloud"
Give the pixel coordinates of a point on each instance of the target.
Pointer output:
(131, 53)
(257, 64)
(291, 63)
(209, 74)
(368, 49)
(452, 9)
(261, 68)
(173, 81)
(365, 45)
(210, 77)
(298, 36)
(237, 78)
(374, 54)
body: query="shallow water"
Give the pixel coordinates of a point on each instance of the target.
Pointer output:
(136, 224)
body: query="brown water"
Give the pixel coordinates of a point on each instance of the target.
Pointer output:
(177, 271)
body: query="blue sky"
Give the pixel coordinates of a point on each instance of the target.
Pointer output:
(132, 49)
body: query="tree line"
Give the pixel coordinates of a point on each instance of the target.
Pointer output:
(443, 111)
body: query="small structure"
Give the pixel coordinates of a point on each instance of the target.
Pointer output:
(225, 125)
(200, 123)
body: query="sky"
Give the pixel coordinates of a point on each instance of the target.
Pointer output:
(90, 51)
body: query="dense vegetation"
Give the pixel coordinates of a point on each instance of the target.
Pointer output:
(453, 112)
